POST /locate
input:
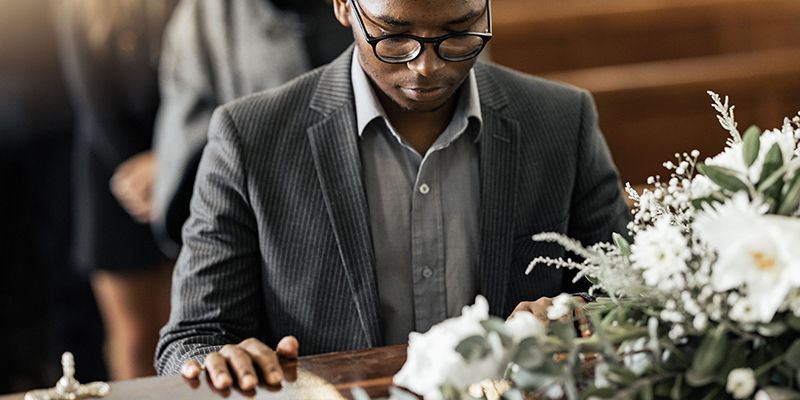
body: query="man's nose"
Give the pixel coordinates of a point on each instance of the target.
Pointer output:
(427, 63)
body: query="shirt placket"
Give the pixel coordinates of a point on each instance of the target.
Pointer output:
(427, 245)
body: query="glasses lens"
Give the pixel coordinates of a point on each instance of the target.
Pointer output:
(397, 50)
(462, 47)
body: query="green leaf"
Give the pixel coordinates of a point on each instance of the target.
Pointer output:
(793, 355)
(780, 393)
(564, 331)
(529, 354)
(751, 145)
(621, 376)
(513, 394)
(622, 244)
(771, 172)
(596, 392)
(793, 322)
(677, 389)
(473, 348)
(724, 177)
(647, 392)
(708, 358)
(791, 200)
(496, 325)
(736, 358)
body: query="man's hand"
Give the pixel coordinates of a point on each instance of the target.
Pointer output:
(539, 309)
(132, 185)
(239, 362)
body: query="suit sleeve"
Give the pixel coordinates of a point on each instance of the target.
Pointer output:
(186, 82)
(598, 208)
(216, 288)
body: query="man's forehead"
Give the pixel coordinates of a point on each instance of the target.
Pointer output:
(422, 12)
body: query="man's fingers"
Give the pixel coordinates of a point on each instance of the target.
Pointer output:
(191, 369)
(266, 359)
(217, 369)
(583, 320)
(242, 366)
(288, 347)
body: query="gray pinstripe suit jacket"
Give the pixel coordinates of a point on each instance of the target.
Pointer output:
(278, 241)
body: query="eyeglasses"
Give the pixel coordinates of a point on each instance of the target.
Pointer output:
(402, 48)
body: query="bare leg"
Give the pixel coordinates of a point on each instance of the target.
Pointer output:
(134, 307)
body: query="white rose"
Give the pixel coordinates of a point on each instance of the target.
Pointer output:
(741, 383)
(562, 306)
(524, 325)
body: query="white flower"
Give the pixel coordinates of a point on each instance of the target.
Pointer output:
(662, 252)
(755, 250)
(601, 375)
(635, 356)
(562, 306)
(731, 158)
(432, 360)
(702, 187)
(700, 322)
(744, 312)
(762, 395)
(741, 383)
(524, 325)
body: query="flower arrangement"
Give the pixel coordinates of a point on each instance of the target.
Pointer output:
(703, 303)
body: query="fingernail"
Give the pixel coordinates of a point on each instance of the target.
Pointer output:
(275, 377)
(248, 381)
(223, 380)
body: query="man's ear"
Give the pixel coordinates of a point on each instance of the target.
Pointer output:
(341, 8)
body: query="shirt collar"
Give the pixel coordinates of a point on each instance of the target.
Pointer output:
(368, 107)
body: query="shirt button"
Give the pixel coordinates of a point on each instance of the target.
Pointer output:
(424, 188)
(427, 272)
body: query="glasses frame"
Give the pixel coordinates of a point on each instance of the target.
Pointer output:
(435, 41)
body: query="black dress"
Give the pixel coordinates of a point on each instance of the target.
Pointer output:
(115, 98)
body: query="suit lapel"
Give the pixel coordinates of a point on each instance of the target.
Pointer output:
(334, 148)
(498, 159)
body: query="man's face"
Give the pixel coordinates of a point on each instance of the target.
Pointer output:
(426, 83)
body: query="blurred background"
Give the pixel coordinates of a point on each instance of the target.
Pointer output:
(648, 64)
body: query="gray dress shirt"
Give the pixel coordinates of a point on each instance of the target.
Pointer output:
(423, 212)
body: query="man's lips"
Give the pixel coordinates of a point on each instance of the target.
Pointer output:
(423, 93)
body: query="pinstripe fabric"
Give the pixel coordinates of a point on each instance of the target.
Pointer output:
(279, 243)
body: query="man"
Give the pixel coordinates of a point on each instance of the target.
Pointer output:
(379, 194)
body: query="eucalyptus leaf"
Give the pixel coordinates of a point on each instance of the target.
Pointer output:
(772, 171)
(708, 357)
(473, 348)
(724, 177)
(793, 322)
(529, 354)
(622, 244)
(793, 355)
(621, 375)
(677, 389)
(497, 325)
(751, 145)
(791, 199)
(513, 394)
(697, 203)
(598, 393)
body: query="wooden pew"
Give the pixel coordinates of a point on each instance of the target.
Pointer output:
(649, 111)
(538, 36)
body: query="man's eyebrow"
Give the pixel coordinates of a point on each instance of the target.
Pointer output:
(397, 22)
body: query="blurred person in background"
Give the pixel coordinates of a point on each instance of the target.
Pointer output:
(46, 306)
(216, 51)
(110, 51)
